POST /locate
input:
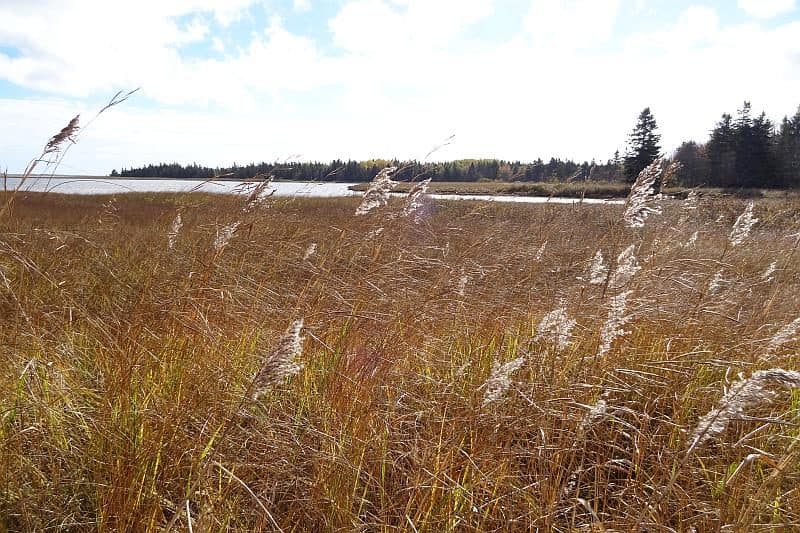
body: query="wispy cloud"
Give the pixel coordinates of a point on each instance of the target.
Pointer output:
(766, 9)
(378, 78)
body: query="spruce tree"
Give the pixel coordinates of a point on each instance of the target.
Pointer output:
(788, 151)
(722, 153)
(643, 146)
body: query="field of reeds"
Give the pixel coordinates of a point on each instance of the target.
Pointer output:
(213, 363)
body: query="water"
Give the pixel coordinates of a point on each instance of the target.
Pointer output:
(83, 185)
(78, 185)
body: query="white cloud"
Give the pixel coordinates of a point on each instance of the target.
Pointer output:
(399, 80)
(571, 24)
(400, 27)
(766, 9)
(301, 5)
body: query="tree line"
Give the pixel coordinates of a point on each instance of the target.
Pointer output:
(360, 171)
(744, 151)
(741, 152)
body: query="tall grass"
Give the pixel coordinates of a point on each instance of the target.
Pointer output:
(455, 373)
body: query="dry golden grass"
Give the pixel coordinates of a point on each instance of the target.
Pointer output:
(128, 366)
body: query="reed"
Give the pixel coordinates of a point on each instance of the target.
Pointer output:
(449, 375)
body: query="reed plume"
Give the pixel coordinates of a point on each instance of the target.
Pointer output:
(259, 194)
(310, 251)
(377, 194)
(598, 270)
(540, 252)
(627, 267)
(743, 226)
(174, 231)
(224, 235)
(786, 334)
(67, 133)
(767, 275)
(556, 327)
(717, 282)
(642, 200)
(758, 390)
(596, 412)
(281, 362)
(415, 201)
(500, 380)
(692, 240)
(613, 325)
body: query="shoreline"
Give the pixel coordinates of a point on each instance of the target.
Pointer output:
(577, 190)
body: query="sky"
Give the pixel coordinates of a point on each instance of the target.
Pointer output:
(245, 81)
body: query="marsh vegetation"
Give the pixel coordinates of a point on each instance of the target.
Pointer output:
(460, 366)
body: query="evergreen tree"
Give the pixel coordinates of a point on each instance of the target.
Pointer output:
(762, 153)
(695, 166)
(643, 146)
(788, 151)
(721, 150)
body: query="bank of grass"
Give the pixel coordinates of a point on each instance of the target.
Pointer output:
(126, 366)
(563, 189)
(577, 189)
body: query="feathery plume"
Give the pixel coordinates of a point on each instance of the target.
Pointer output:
(174, 231)
(258, 195)
(67, 133)
(310, 251)
(692, 240)
(281, 362)
(757, 390)
(691, 202)
(372, 234)
(416, 200)
(556, 327)
(461, 288)
(627, 267)
(613, 325)
(598, 271)
(767, 275)
(377, 194)
(642, 200)
(784, 335)
(688, 207)
(716, 283)
(500, 379)
(110, 212)
(540, 252)
(743, 225)
(224, 235)
(596, 413)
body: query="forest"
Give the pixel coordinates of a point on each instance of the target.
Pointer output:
(742, 151)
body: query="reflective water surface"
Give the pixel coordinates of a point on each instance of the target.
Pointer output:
(78, 185)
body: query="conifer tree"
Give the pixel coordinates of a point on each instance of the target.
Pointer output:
(643, 146)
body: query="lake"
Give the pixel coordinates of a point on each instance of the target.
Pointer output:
(83, 185)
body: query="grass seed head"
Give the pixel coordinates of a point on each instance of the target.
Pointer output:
(556, 327)
(613, 325)
(500, 380)
(786, 334)
(627, 267)
(643, 200)
(598, 270)
(281, 363)
(378, 193)
(759, 389)
(67, 133)
(743, 226)
(174, 231)
(225, 234)
(415, 201)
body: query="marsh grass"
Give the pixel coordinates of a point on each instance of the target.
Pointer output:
(130, 347)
